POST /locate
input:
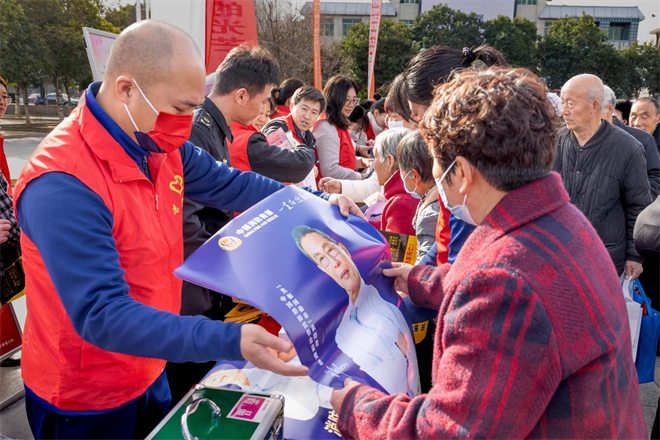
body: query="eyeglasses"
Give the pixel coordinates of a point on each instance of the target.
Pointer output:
(331, 252)
(354, 101)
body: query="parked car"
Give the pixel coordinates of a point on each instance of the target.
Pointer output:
(51, 100)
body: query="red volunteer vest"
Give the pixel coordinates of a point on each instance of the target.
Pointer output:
(238, 148)
(57, 364)
(346, 149)
(288, 120)
(282, 110)
(370, 132)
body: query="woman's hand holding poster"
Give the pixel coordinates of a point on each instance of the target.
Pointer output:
(295, 257)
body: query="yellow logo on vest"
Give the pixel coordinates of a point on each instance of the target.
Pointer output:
(177, 184)
(229, 243)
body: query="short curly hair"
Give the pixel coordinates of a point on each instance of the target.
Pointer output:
(500, 120)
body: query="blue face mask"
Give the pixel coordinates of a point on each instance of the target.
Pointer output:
(461, 212)
(412, 193)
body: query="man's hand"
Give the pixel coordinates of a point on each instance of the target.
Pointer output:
(338, 395)
(346, 205)
(400, 273)
(330, 185)
(633, 269)
(256, 345)
(5, 226)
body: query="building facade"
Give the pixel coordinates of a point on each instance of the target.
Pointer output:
(337, 17)
(620, 23)
(485, 9)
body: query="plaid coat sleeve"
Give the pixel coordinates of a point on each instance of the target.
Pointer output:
(7, 213)
(419, 294)
(497, 369)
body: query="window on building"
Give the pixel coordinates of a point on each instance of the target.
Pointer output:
(408, 22)
(526, 2)
(410, 1)
(348, 22)
(619, 32)
(328, 27)
(547, 27)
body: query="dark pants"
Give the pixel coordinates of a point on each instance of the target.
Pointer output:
(135, 419)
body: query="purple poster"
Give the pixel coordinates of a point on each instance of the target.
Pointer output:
(295, 257)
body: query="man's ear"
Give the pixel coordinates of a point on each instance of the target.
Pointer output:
(124, 88)
(241, 96)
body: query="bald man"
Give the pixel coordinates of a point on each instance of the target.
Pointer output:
(100, 207)
(603, 169)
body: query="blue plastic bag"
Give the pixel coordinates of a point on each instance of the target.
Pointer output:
(648, 336)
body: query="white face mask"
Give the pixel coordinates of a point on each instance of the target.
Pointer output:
(461, 212)
(395, 124)
(413, 192)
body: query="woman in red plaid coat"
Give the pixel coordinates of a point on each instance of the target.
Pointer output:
(532, 338)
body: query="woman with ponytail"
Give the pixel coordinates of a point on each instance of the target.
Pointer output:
(282, 96)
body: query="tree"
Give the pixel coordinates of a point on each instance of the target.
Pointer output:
(395, 49)
(122, 16)
(60, 24)
(21, 49)
(287, 36)
(516, 39)
(577, 45)
(642, 66)
(446, 26)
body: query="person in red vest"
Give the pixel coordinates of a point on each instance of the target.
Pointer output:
(282, 96)
(265, 114)
(99, 205)
(250, 151)
(334, 146)
(4, 167)
(374, 120)
(400, 206)
(307, 104)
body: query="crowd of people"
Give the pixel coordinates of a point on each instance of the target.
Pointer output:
(527, 214)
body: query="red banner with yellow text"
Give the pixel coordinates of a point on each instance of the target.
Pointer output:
(316, 32)
(374, 28)
(228, 24)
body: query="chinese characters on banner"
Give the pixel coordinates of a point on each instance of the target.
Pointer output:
(316, 31)
(374, 27)
(228, 24)
(10, 332)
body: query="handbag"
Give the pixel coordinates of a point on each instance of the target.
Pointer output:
(648, 335)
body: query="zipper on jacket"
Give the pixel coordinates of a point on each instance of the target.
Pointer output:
(156, 202)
